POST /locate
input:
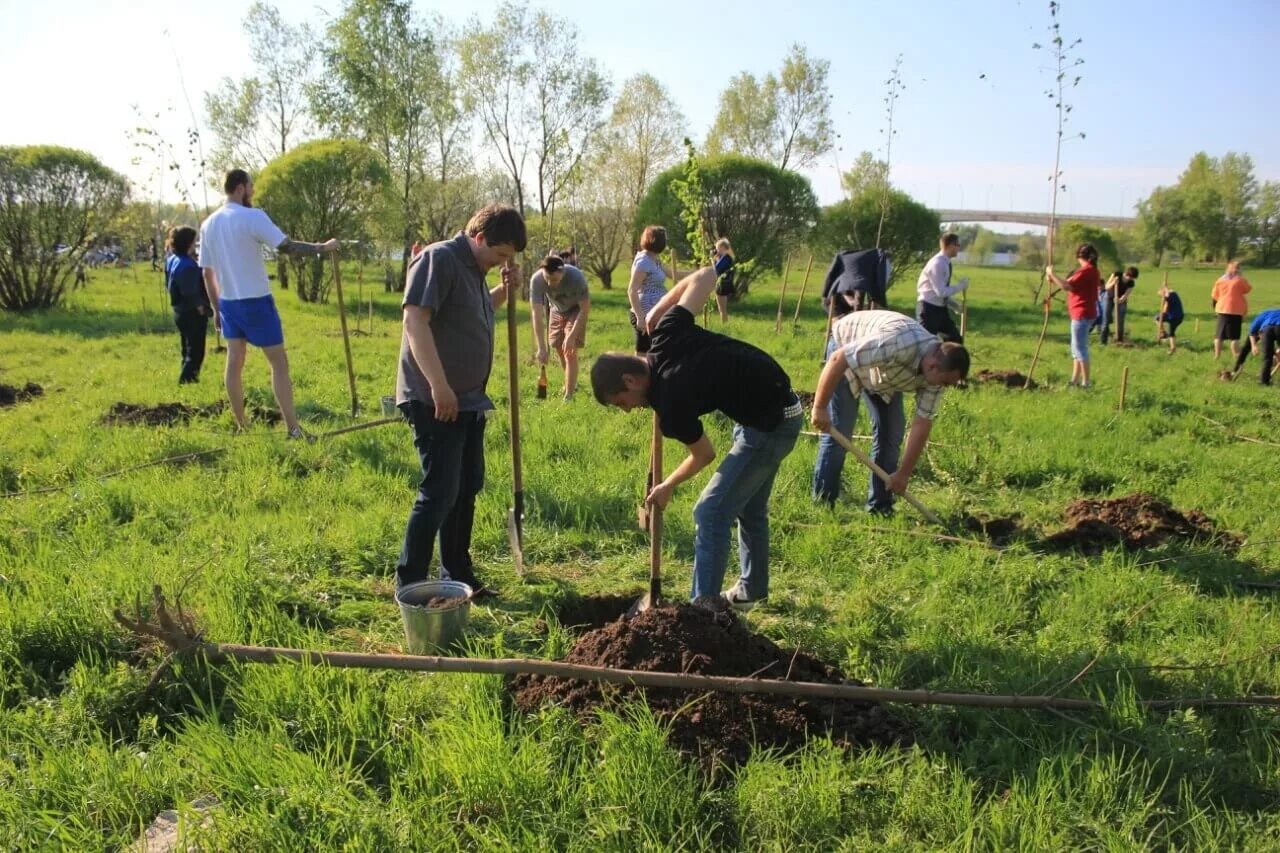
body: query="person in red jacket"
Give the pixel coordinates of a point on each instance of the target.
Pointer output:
(1082, 306)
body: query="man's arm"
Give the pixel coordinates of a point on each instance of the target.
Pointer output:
(579, 322)
(211, 290)
(701, 454)
(422, 345)
(828, 381)
(690, 294)
(916, 440)
(303, 249)
(498, 295)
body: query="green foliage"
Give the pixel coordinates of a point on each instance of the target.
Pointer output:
(321, 189)
(1072, 234)
(692, 196)
(910, 229)
(762, 209)
(1214, 212)
(53, 203)
(1031, 252)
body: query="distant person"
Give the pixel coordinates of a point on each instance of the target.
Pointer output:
(689, 372)
(190, 302)
(1230, 305)
(81, 276)
(857, 281)
(1169, 318)
(934, 290)
(415, 250)
(1115, 301)
(570, 256)
(446, 355)
(1264, 340)
(1082, 306)
(648, 281)
(563, 289)
(235, 276)
(876, 356)
(154, 256)
(724, 264)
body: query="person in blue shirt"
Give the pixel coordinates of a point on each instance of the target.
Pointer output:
(1264, 340)
(190, 302)
(1171, 315)
(725, 287)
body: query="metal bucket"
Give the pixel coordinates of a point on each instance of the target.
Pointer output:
(431, 630)
(389, 409)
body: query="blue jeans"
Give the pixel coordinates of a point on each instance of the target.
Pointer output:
(452, 457)
(740, 489)
(888, 426)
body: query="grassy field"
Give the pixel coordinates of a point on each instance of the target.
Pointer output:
(292, 544)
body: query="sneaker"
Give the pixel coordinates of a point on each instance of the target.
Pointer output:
(299, 434)
(739, 600)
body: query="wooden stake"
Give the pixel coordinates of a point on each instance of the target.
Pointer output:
(1124, 386)
(146, 318)
(964, 311)
(795, 321)
(786, 271)
(1197, 325)
(371, 313)
(515, 516)
(346, 338)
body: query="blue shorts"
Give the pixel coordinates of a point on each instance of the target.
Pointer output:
(256, 320)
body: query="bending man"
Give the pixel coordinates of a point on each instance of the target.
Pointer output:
(687, 373)
(879, 355)
(564, 289)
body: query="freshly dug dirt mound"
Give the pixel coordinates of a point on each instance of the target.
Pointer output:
(167, 414)
(11, 395)
(998, 530)
(594, 611)
(1136, 521)
(1007, 378)
(719, 726)
(806, 400)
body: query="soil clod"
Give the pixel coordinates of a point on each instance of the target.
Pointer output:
(1135, 521)
(998, 530)
(168, 414)
(443, 602)
(717, 726)
(806, 400)
(11, 395)
(1007, 378)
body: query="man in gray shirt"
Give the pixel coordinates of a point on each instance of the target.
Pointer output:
(564, 288)
(446, 355)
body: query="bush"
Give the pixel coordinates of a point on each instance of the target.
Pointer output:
(1072, 234)
(53, 202)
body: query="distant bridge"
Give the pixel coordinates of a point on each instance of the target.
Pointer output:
(1024, 218)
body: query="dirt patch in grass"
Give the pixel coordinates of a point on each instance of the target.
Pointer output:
(587, 613)
(1007, 378)
(717, 726)
(998, 530)
(11, 395)
(168, 414)
(1135, 521)
(806, 400)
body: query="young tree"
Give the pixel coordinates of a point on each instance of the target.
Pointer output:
(1072, 234)
(329, 187)
(642, 136)
(910, 233)
(53, 201)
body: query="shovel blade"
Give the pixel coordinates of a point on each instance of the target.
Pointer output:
(641, 604)
(513, 536)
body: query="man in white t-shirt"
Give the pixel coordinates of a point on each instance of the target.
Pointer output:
(235, 276)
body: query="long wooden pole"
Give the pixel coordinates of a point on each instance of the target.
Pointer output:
(795, 321)
(964, 311)
(516, 516)
(883, 475)
(786, 272)
(1124, 386)
(346, 338)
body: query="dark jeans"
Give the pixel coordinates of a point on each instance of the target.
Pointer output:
(936, 319)
(888, 426)
(192, 328)
(1269, 342)
(452, 457)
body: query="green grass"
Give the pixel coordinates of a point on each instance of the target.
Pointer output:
(295, 545)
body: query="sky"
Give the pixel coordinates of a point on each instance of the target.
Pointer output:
(974, 129)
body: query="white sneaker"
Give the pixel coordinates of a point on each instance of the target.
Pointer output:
(739, 600)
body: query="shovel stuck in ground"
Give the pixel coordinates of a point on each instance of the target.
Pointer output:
(654, 517)
(883, 475)
(515, 515)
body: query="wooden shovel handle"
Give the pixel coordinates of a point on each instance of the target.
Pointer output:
(655, 515)
(883, 475)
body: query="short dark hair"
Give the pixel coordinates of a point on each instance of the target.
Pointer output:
(607, 373)
(180, 239)
(501, 225)
(1087, 252)
(955, 358)
(552, 263)
(234, 180)
(1132, 272)
(654, 239)
(951, 238)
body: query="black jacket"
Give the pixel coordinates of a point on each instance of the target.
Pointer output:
(864, 271)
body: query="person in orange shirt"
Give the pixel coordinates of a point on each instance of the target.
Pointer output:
(1230, 305)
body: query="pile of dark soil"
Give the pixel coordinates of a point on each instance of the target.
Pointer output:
(806, 400)
(718, 726)
(998, 530)
(1007, 378)
(594, 611)
(168, 414)
(443, 602)
(1136, 521)
(11, 395)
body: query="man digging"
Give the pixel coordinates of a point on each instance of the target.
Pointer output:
(564, 288)
(689, 372)
(446, 354)
(879, 355)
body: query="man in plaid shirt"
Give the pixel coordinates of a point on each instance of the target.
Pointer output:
(880, 354)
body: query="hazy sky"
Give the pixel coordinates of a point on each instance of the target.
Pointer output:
(1162, 80)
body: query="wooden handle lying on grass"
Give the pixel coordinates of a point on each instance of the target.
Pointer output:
(883, 475)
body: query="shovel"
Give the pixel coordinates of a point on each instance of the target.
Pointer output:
(883, 475)
(651, 598)
(515, 515)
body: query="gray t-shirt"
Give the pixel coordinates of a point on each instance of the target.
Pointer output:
(653, 288)
(567, 296)
(446, 279)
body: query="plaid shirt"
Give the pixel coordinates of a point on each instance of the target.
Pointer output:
(884, 350)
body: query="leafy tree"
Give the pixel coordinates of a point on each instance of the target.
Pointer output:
(983, 245)
(1239, 190)
(785, 118)
(1161, 227)
(325, 188)
(764, 210)
(867, 174)
(910, 229)
(1031, 252)
(53, 201)
(1267, 224)
(642, 136)
(1072, 234)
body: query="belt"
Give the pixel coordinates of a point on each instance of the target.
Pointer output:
(794, 410)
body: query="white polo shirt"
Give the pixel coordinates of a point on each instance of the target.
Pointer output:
(231, 241)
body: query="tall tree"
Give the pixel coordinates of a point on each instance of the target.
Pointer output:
(643, 136)
(1160, 223)
(1239, 190)
(1267, 223)
(783, 118)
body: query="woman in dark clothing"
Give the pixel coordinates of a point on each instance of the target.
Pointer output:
(190, 303)
(724, 270)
